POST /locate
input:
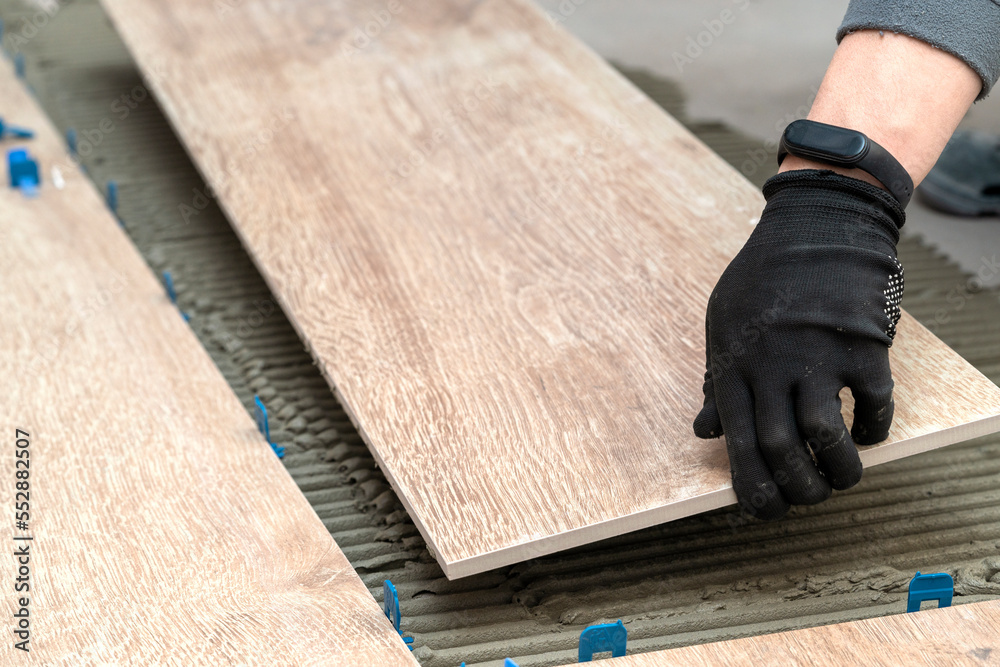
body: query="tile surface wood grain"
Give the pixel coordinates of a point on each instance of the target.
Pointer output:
(498, 251)
(968, 634)
(165, 529)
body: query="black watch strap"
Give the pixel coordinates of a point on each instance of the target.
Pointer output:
(841, 147)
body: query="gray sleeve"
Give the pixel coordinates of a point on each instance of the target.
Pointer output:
(969, 29)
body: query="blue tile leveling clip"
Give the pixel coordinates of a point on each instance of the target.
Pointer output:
(23, 172)
(923, 587)
(112, 197)
(390, 603)
(15, 131)
(605, 637)
(168, 284)
(261, 413)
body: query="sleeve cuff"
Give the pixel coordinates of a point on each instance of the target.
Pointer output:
(969, 29)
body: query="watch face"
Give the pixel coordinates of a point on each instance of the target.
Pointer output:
(832, 144)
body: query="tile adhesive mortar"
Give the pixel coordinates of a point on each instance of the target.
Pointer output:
(696, 580)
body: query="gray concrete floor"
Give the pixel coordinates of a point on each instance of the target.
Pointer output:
(756, 69)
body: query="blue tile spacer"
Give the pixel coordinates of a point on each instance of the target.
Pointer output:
(260, 413)
(600, 638)
(19, 64)
(940, 587)
(390, 603)
(14, 131)
(23, 172)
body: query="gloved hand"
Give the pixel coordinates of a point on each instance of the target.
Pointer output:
(808, 306)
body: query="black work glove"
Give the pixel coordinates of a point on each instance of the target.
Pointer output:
(807, 307)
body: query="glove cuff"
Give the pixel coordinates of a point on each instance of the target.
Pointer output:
(832, 182)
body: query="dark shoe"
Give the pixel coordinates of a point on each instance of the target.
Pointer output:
(966, 179)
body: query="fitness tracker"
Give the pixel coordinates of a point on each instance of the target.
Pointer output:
(841, 147)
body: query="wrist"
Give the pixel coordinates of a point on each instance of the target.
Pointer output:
(902, 93)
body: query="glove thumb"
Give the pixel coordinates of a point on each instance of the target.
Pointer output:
(708, 424)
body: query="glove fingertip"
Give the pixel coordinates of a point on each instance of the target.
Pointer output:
(871, 431)
(848, 475)
(707, 424)
(865, 436)
(871, 425)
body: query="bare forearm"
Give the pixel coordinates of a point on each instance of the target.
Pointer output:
(904, 94)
